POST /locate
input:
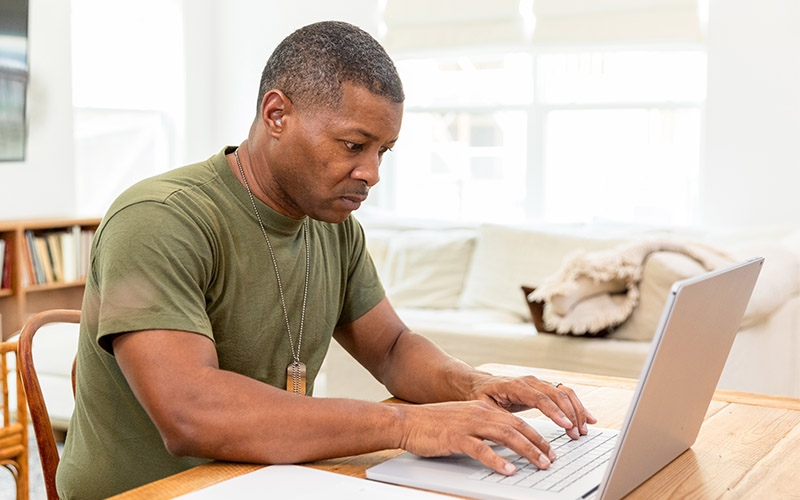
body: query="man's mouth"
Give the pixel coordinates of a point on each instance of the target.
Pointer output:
(354, 201)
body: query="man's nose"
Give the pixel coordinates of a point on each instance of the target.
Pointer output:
(367, 171)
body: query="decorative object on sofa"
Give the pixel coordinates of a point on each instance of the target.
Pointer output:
(14, 431)
(537, 315)
(39, 415)
(594, 292)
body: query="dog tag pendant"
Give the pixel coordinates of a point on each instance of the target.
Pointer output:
(296, 378)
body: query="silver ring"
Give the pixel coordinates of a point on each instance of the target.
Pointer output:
(556, 384)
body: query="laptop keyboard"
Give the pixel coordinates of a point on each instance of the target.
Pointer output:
(575, 459)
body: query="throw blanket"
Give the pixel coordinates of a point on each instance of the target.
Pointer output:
(593, 292)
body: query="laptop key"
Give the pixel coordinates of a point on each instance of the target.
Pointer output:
(575, 458)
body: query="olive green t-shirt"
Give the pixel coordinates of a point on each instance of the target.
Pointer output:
(184, 251)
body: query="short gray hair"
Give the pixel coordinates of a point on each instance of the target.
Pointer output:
(311, 64)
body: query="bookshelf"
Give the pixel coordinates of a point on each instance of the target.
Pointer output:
(62, 247)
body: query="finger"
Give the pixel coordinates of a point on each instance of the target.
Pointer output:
(571, 404)
(583, 414)
(484, 453)
(555, 402)
(555, 405)
(524, 441)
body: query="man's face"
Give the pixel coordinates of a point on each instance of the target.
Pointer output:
(328, 159)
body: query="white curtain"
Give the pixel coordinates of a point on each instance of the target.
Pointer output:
(423, 24)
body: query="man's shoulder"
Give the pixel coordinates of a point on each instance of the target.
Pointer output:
(161, 187)
(179, 191)
(186, 180)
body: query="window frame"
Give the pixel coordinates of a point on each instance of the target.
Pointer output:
(534, 210)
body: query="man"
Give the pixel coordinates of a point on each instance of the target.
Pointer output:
(215, 289)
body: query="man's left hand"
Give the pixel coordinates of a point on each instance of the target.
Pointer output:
(556, 401)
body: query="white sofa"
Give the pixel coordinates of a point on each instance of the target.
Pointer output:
(54, 348)
(461, 287)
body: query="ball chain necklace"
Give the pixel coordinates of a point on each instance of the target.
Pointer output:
(296, 371)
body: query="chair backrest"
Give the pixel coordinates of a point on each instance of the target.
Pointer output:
(14, 428)
(40, 418)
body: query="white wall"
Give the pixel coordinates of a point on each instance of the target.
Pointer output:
(752, 161)
(44, 184)
(227, 45)
(753, 115)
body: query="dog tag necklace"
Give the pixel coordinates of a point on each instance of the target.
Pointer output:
(296, 371)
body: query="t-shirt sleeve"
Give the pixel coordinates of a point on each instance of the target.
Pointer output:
(151, 265)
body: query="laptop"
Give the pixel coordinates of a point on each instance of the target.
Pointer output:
(688, 352)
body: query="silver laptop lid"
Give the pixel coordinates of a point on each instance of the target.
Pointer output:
(687, 355)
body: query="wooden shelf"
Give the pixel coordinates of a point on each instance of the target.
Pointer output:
(25, 296)
(54, 286)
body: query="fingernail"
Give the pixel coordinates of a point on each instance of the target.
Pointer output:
(584, 429)
(543, 462)
(553, 455)
(509, 468)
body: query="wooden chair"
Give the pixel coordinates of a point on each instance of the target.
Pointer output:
(14, 432)
(45, 439)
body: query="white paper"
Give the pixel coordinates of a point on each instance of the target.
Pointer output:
(298, 482)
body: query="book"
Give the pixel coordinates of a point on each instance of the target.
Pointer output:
(5, 276)
(45, 259)
(2, 262)
(69, 257)
(85, 247)
(56, 255)
(36, 271)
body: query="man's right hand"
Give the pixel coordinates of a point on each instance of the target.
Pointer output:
(441, 429)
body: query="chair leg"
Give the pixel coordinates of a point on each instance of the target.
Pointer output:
(23, 484)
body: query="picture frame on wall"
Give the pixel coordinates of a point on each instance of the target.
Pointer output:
(14, 76)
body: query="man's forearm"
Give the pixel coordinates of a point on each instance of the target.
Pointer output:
(246, 421)
(417, 370)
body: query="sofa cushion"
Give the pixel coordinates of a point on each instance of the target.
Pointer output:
(426, 269)
(484, 336)
(660, 272)
(776, 284)
(506, 258)
(54, 348)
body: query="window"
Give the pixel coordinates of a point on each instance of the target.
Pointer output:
(127, 94)
(571, 136)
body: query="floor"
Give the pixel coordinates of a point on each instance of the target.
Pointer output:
(8, 489)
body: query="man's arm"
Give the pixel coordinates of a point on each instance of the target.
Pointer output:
(203, 411)
(414, 369)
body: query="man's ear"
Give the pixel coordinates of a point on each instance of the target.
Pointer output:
(274, 107)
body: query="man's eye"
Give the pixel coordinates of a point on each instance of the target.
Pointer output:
(352, 146)
(383, 150)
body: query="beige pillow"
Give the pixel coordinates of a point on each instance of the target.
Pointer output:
(661, 271)
(506, 258)
(378, 242)
(777, 282)
(427, 268)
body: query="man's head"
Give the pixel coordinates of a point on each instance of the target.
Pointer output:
(330, 106)
(311, 64)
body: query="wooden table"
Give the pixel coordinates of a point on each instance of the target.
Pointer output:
(748, 447)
